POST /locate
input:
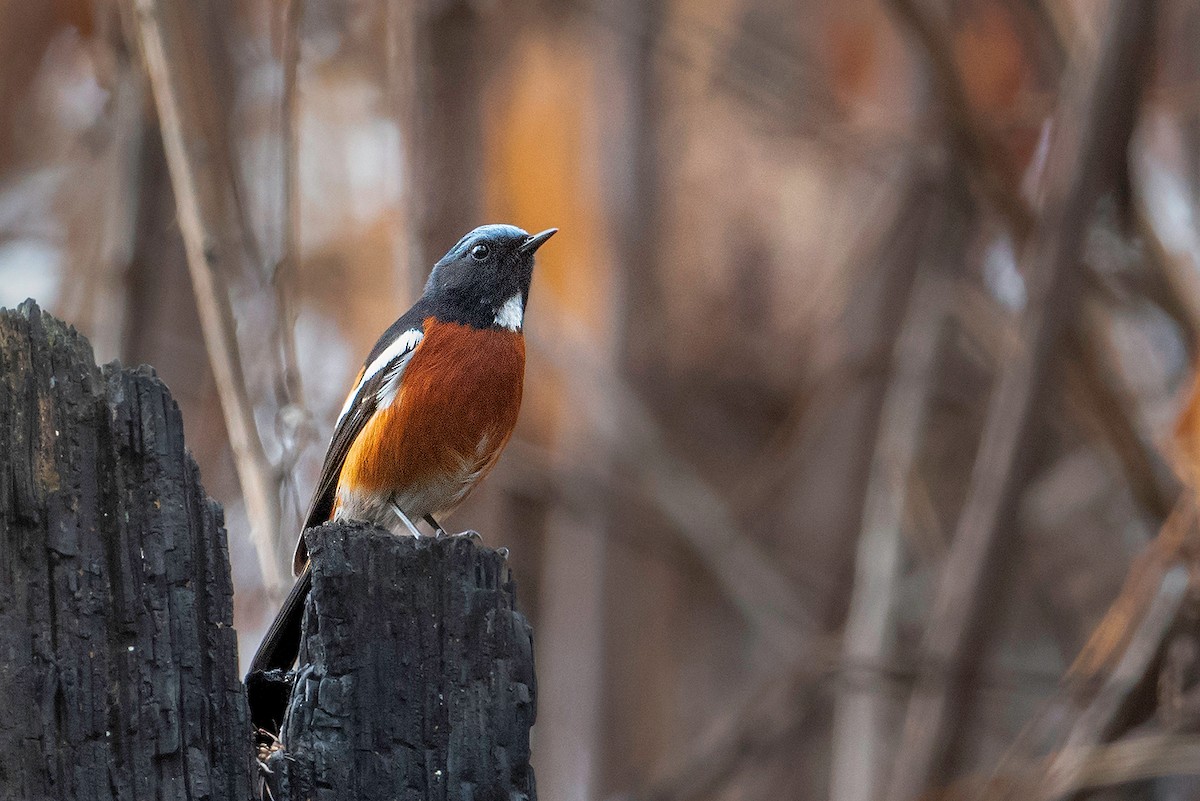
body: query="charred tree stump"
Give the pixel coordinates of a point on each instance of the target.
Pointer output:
(118, 660)
(415, 677)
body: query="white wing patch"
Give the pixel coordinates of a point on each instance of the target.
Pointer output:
(391, 383)
(511, 314)
(393, 359)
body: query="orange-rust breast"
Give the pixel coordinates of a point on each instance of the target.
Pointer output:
(456, 409)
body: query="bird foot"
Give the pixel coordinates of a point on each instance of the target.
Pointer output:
(475, 536)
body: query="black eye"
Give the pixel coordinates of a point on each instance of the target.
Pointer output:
(480, 252)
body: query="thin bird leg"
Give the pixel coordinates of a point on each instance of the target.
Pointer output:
(437, 527)
(408, 523)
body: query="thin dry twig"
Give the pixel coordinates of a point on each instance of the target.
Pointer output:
(1112, 636)
(1091, 138)
(1111, 664)
(1089, 349)
(859, 713)
(286, 270)
(1140, 758)
(258, 477)
(294, 424)
(1065, 771)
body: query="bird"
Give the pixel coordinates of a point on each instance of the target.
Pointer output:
(433, 406)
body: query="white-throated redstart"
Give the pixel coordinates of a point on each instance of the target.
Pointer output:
(434, 404)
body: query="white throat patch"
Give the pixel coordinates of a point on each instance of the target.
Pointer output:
(511, 314)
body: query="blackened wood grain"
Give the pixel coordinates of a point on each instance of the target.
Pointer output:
(118, 659)
(415, 677)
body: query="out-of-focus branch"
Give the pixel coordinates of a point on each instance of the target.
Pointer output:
(1091, 726)
(284, 274)
(294, 423)
(773, 712)
(258, 478)
(1112, 637)
(1172, 286)
(116, 242)
(1090, 141)
(968, 138)
(982, 154)
(1038, 21)
(1146, 756)
(1089, 353)
(886, 246)
(1112, 663)
(1086, 347)
(94, 292)
(910, 304)
(403, 74)
(1138, 758)
(860, 711)
(743, 571)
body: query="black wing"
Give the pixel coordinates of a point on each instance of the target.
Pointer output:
(381, 372)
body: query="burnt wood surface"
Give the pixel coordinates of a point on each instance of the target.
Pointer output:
(118, 659)
(415, 677)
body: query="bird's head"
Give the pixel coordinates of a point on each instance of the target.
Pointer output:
(484, 279)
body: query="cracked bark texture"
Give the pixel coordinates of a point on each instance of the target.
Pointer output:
(415, 677)
(118, 659)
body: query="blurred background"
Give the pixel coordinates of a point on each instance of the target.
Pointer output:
(856, 443)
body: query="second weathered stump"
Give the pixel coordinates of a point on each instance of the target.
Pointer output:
(415, 678)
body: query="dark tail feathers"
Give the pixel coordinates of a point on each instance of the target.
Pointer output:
(277, 652)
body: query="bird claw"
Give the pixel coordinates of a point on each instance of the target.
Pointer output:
(438, 531)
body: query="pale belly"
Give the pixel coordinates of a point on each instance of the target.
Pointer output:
(438, 494)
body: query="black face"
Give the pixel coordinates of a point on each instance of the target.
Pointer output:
(476, 282)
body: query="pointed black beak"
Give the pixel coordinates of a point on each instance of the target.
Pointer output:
(534, 242)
